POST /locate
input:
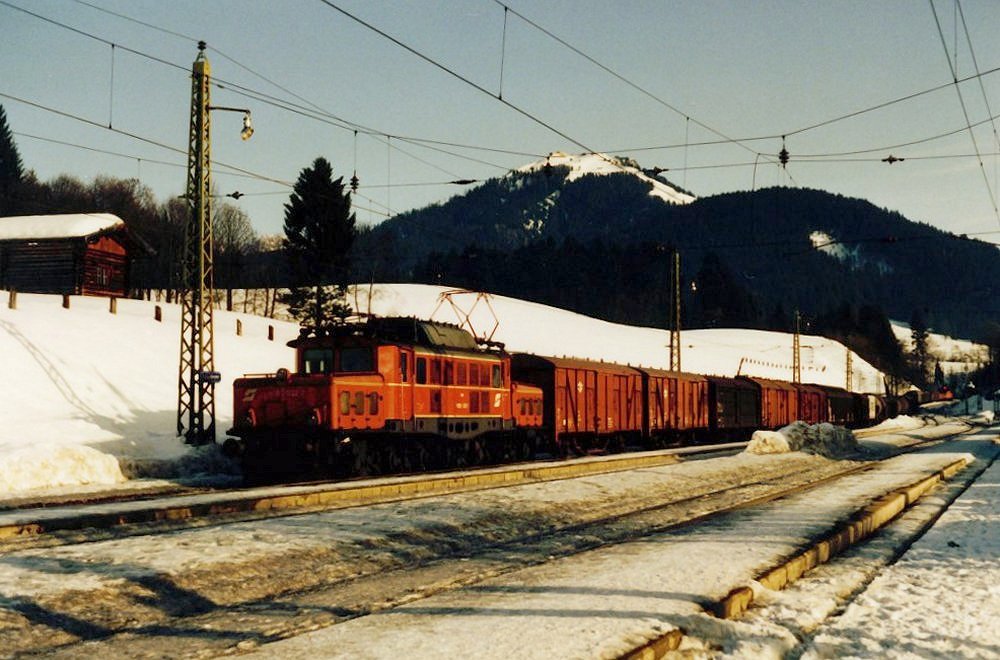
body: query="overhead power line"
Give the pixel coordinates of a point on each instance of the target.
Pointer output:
(135, 136)
(313, 111)
(965, 113)
(455, 74)
(642, 90)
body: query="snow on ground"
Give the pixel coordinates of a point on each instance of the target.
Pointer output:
(955, 355)
(605, 602)
(941, 599)
(81, 384)
(600, 164)
(823, 439)
(88, 397)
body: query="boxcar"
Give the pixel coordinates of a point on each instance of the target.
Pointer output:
(594, 405)
(779, 402)
(812, 404)
(840, 406)
(676, 406)
(733, 407)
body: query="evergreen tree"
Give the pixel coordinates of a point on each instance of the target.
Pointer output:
(319, 232)
(919, 333)
(11, 170)
(720, 300)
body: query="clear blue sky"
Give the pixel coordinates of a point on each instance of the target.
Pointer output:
(745, 69)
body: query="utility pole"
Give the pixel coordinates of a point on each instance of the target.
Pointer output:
(196, 389)
(197, 375)
(796, 350)
(850, 368)
(675, 315)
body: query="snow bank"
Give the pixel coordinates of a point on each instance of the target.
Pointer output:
(67, 465)
(900, 423)
(90, 398)
(823, 439)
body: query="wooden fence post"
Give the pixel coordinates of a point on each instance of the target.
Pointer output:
(65, 301)
(270, 333)
(158, 313)
(12, 299)
(239, 328)
(113, 305)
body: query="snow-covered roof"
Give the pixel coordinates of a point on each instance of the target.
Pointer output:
(65, 225)
(602, 164)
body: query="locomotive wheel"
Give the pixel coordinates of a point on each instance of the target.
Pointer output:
(366, 462)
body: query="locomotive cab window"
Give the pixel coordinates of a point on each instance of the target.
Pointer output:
(421, 370)
(497, 380)
(356, 359)
(317, 361)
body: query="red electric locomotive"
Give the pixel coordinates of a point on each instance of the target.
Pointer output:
(388, 395)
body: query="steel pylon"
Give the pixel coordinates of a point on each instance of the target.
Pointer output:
(196, 382)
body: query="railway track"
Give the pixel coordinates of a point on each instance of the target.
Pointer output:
(57, 521)
(460, 562)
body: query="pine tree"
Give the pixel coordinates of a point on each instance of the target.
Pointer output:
(319, 232)
(11, 170)
(919, 333)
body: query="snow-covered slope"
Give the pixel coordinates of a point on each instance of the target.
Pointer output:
(601, 164)
(957, 356)
(85, 394)
(534, 328)
(80, 385)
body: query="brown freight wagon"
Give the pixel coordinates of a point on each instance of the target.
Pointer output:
(733, 408)
(676, 406)
(595, 405)
(812, 404)
(74, 253)
(779, 402)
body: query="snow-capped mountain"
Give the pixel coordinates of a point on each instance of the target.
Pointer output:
(603, 164)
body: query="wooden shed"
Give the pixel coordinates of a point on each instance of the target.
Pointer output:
(73, 253)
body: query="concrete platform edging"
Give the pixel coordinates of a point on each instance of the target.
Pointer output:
(861, 525)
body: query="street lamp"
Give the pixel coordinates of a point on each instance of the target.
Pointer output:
(197, 378)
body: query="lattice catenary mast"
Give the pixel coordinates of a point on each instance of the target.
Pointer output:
(196, 382)
(675, 315)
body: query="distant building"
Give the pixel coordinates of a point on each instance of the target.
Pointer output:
(74, 253)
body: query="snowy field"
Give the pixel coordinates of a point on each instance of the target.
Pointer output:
(90, 398)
